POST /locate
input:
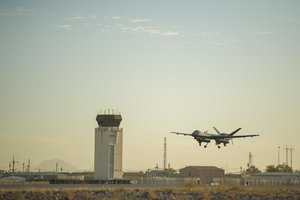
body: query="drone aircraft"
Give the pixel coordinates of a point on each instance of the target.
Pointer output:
(219, 138)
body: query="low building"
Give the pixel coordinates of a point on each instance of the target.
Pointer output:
(273, 178)
(9, 180)
(156, 173)
(205, 174)
(134, 177)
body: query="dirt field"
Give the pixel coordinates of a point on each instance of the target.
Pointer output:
(143, 193)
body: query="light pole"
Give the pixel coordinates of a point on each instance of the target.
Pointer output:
(278, 155)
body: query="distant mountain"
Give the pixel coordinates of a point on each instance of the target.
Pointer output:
(50, 166)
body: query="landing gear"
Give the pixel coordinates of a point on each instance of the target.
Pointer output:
(206, 145)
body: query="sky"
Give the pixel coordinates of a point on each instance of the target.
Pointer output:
(167, 66)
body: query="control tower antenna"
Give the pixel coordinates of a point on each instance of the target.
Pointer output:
(165, 153)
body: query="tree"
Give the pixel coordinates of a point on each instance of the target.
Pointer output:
(252, 170)
(171, 171)
(271, 168)
(283, 168)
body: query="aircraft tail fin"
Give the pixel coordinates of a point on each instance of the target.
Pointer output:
(217, 130)
(234, 132)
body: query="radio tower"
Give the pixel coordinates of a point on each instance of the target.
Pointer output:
(165, 153)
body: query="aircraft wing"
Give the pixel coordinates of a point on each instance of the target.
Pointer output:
(242, 136)
(213, 136)
(185, 134)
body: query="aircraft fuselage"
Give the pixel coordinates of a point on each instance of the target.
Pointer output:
(220, 138)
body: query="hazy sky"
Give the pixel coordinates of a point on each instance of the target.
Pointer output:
(168, 65)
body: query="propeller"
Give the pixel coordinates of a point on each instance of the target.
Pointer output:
(219, 133)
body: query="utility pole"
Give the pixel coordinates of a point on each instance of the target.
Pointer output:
(286, 156)
(13, 164)
(165, 153)
(278, 155)
(28, 166)
(56, 167)
(250, 159)
(291, 151)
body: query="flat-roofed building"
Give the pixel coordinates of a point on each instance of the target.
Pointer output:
(205, 174)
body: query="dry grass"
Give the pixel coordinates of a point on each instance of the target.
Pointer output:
(69, 193)
(231, 192)
(116, 194)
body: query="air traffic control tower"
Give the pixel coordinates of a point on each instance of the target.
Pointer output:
(108, 147)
